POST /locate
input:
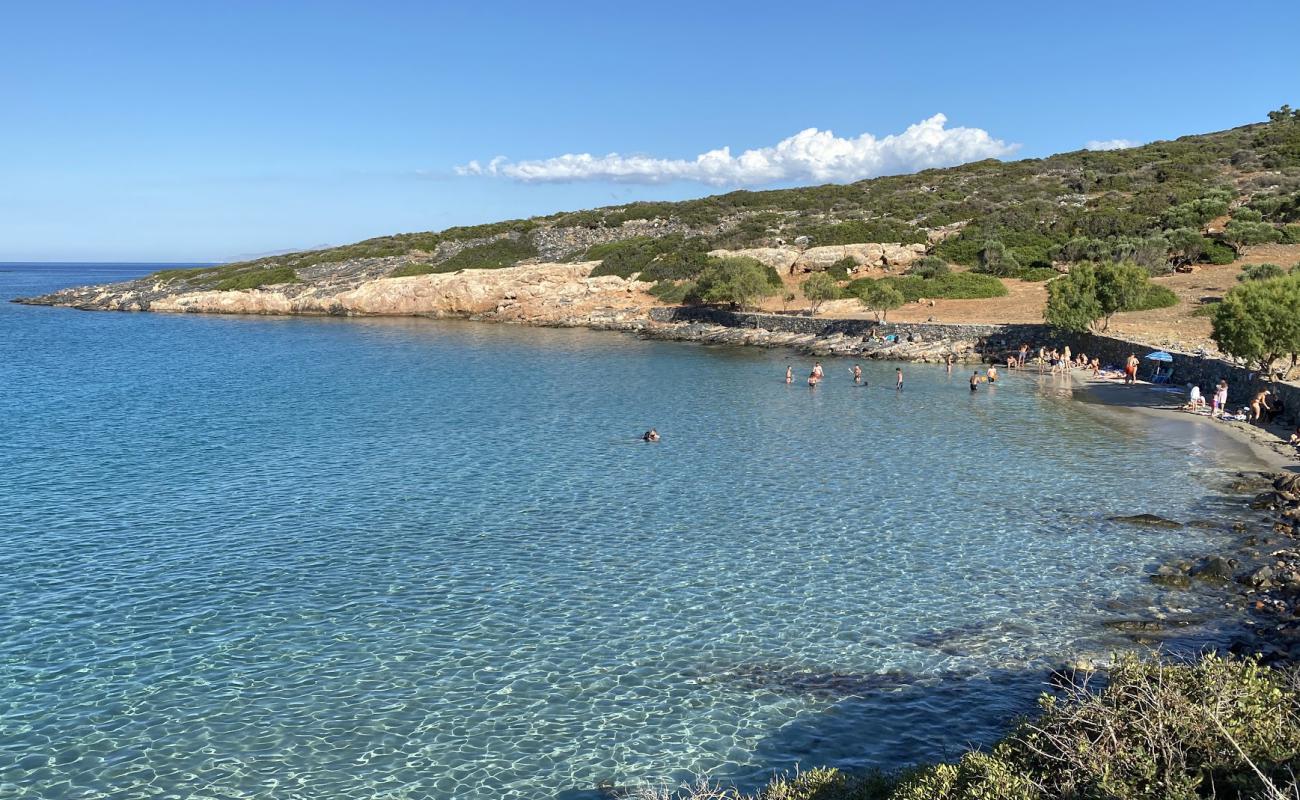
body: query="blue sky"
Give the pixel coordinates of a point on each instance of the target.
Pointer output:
(203, 131)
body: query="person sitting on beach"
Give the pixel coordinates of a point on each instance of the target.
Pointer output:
(993, 373)
(1259, 407)
(1295, 437)
(1012, 361)
(651, 435)
(975, 381)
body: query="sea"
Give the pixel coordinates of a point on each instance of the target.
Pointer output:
(257, 557)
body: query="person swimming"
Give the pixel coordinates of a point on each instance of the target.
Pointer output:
(651, 435)
(789, 374)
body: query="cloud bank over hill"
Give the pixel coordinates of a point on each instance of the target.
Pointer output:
(809, 156)
(1110, 144)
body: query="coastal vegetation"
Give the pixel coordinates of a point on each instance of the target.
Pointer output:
(737, 282)
(505, 252)
(819, 288)
(945, 286)
(1092, 293)
(1259, 321)
(1151, 730)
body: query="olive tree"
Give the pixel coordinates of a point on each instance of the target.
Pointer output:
(880, 297)
(1241, 234)
(1259, 322)
(819, 288)
(738, 282)
(1092, 294)
(995, 259)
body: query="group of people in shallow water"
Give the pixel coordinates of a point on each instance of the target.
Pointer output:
(818, 375)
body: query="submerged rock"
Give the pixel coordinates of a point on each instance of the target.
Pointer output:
(1147, 520)
(1215, 568)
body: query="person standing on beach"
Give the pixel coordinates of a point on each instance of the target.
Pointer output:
(1259, 407)
(898, 385)
(1066, 363)
(1024, 352)
(789, 374)
(1220, 399)
(1130, 369)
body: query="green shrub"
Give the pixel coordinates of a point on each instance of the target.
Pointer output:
(1153, 296)
(673, 292)
(1260, 272)
(930, 267)
(257, 278)
(995, 259)
(1219, 253)
(858, 231)
(493, 255)
(953, 286)
(737, 282)
(840, 269)
(1290, 234)
(1218, 727)
(1036, 274)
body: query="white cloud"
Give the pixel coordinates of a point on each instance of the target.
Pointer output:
(809, 156)
(1110, 144)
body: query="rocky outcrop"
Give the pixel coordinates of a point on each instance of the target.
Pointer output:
(868, 255)
(544, 294)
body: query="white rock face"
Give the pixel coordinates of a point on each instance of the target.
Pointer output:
(779, 258)
(537, 293)
(868, 255)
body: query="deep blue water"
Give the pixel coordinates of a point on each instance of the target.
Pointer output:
(323, 558)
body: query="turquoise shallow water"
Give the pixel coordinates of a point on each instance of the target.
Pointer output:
(318, 558)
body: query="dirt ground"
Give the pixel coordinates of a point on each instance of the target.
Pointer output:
(1173, 327)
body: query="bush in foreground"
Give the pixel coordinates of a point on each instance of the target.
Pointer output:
(1222, 728)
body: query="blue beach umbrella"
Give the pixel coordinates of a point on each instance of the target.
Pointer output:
(1160, 355)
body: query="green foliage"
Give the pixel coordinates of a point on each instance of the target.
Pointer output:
(993, 259)
(1093, 293)
(1195, 213)
(930, 267)
(879, 296)
(1259, 321)
(666, 258)
(1260, 272)
(1217, 727)
(953, 286)
(737, 282)
(673, 292)
(1187, 245)
(819, 288)
(1219, 253)
(493, 255)
(840, 269)
(1241, 234)
(1036, 274)
(1072, 303)
(1289, 234)
(228, 277)
(857, 231)
(254, 279)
